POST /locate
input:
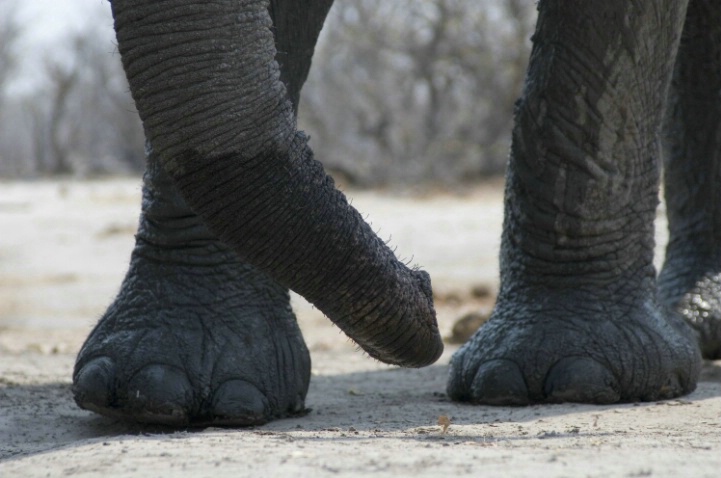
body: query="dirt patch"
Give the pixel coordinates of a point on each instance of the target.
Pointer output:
(366, 419)
(63, 261)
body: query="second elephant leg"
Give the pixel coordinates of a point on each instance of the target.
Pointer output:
(577, 317)
(690, 280)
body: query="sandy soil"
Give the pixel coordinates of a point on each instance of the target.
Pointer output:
(63, 251)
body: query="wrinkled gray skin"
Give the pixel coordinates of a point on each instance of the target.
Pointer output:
(579, 316)
(236, 211)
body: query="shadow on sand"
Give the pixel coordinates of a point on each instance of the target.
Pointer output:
(36, 419)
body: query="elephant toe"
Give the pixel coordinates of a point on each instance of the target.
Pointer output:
(676, 384)
(94, 384)
(159, 394)
(581, 379)
(238, 402)
(499, 382)
(495, 382)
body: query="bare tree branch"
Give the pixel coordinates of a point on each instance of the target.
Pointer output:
(417, 91)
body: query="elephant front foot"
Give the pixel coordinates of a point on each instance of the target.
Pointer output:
(215, 342)
(568, 346)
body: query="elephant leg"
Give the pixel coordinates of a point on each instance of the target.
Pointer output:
(690, 280)
(577, 317)
(196, 335)
(209, 90)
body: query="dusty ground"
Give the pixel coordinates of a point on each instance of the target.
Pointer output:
(63, 251)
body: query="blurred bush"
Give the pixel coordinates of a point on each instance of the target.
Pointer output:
(410, 91)
(400, 91)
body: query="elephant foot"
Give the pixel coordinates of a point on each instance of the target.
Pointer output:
(701, 307)
(194, 338)
(568, 346)
(697, 297)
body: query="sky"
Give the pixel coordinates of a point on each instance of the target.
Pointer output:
(47, 26)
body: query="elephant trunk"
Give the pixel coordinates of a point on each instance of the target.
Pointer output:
(204, 78)
(208, 89)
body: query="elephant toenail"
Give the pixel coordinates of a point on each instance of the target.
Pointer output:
(580, 379)
(499, 382)
(237, 402)
(94, 384)
(160, 394)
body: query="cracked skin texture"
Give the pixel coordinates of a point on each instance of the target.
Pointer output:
(579, 316)
(195, 336)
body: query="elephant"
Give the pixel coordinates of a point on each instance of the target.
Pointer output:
(236, 211)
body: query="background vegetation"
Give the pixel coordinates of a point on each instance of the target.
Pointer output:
(400, 91)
